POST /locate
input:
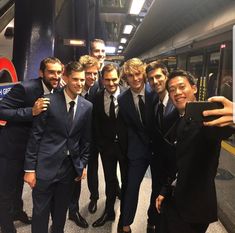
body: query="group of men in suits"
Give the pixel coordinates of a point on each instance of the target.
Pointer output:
(136, 127)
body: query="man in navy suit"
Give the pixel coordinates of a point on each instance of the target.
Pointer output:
(189, 195)
(58, 151)
(91, 67)
(18, 108)
(111, 138)
(134, 105)
(163, 117)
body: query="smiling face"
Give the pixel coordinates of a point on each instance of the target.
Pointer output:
(111, 81)
(91, 74)
(181, 92)
(98, 51)
(136, 81)
(51, 75)
(157, 80)
(75, 83)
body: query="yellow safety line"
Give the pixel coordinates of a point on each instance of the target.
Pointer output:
(228, 147)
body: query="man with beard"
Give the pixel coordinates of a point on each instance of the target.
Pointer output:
(58, 151)
(18, 108)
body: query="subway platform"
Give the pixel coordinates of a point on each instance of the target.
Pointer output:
(139, 225)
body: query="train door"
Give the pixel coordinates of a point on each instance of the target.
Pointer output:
(212, 72)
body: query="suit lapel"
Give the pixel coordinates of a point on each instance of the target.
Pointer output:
(131, 109)
(78, 113)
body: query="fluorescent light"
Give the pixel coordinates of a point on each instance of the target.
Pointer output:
(74, 42)
(120, 47)
(123, 40)
(127, 29)
(136, 6)
(119, 51)
(110, 49)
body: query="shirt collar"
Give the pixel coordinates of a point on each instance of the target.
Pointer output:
(142, 92)
(46, 91)
(68, 99)
(165, 99)
(115, 94)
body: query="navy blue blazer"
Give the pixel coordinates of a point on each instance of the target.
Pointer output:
(16, 109)
(50, 138)
(138, 137)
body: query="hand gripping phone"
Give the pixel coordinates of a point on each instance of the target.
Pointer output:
(193, 110)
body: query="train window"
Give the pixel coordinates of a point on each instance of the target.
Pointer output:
(171, 63)
(195, 65)
(212, 73)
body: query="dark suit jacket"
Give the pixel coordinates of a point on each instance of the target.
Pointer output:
(16, 109)
(163, 152)
(105, 129)
(197, 155)
(50, 138)
(138, 137)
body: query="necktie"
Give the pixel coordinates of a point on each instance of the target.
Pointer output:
(141, 109)
(160, 114)
(70, 114)
(112, 114)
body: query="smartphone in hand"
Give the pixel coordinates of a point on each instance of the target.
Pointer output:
(193, 110)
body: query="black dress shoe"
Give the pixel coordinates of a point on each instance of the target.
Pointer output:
(78, 219)
(103, 219)
(92, 207)
(23, 217)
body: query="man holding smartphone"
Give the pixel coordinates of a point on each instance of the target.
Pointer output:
(191, 197)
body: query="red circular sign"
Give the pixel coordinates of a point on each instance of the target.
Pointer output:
(6, 64)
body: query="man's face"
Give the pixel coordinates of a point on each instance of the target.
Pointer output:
(91, 75)
(157, 80)
(136, 81)
(51, 75)
(111, 81)
(75, 83)
(98, 51)
(181, 92)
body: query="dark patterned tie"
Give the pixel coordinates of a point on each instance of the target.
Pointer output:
(142, 109)
(112, 114)
(71, 114)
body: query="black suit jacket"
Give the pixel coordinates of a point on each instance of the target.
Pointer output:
(106, 129)
(16, 109)
(163, 151)
(197, 158)
(138, 137)
(51, 138)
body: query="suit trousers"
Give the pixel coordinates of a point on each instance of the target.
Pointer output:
(157, 175)
(53, 195)
(136, 171)
(92, 173)
(10, 170)
(74, 203)
(175, 223)
(110, 156)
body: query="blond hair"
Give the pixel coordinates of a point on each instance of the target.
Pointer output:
(88, 61)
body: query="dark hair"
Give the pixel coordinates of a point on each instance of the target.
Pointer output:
(157, 65)
(108, 68)
(73, 66)
(47, 60)
(95, 41)
(181, 73)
